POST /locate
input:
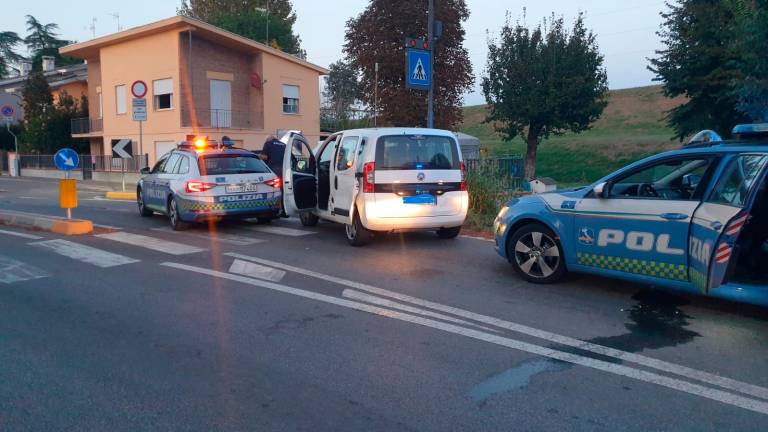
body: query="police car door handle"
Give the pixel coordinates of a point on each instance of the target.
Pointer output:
(674, 216)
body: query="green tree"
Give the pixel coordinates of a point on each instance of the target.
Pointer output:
(751, 31)
(42, 40)
(37, 102)
(251, 19)
(377, 35)
(8, 56)
(342, 90)
(545, 81)
(700, 62)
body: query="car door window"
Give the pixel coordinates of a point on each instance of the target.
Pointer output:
(159, 165)
(346, 155)
(170, 166)
(737, 180)
(183, 167)
(302, 160)
(672, 179)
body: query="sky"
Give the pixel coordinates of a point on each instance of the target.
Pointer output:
(626, 30)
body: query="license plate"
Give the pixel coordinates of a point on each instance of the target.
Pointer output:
(242, 188)
(420, 199)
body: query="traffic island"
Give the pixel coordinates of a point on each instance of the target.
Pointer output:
(123, 196)
(52, 224)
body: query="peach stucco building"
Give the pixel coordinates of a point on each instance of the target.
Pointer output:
(201, 80)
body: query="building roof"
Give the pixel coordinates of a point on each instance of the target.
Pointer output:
(56, 78)
(90, 49)
(546, 180)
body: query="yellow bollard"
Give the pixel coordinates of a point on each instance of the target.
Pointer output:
(68, 195)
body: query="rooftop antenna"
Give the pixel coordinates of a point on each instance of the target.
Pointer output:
(116, 16)
(92, 27)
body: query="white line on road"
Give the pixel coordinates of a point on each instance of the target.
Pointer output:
(216, 236)
(290, 232)
(356, 295)
(247, 268)
(661, 365)
(86, 254)
(16, 271)
(22, 235)
(151, 243)
(614, 368)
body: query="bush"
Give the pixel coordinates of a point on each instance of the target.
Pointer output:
(487, 193)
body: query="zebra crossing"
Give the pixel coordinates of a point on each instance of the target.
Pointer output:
(98, 250)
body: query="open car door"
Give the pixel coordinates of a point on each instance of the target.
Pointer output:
(719, 221)
(299, 176)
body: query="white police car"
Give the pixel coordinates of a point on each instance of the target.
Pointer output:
(202, 181)
(694, 219)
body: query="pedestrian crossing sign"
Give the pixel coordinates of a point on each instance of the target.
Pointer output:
(418, 71)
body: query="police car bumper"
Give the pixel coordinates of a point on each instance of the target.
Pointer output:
(229, 206)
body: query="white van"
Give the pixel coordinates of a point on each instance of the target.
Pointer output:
(378, 180)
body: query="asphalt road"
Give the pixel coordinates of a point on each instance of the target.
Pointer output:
(245, 327)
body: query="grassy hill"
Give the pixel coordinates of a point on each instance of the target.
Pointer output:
(631, 127)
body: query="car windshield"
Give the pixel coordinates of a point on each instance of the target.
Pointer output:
(231, 164)
(404, 152)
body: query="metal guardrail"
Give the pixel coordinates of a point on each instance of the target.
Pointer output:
(84, 125)
(221, 119)
(88, 163)
(508, 171)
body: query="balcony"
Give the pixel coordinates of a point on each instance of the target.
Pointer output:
(86, 125)
(221, 119)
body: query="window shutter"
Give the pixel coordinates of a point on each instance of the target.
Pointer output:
(290, 91)
(161, 87)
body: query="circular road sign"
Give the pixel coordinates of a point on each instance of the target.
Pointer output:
(66, 159)
(7, 111)
(139, 89)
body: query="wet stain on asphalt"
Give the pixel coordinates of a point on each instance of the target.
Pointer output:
(655, 321)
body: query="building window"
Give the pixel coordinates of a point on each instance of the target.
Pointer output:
(163, 94)
(120, 99)
(290, 99)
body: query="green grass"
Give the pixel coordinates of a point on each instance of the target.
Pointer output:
(631, 128)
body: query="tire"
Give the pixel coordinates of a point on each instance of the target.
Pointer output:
(536, 254)
(308, 219)
(173, 216)
(143, 210)
(449, 233)
(357, 234)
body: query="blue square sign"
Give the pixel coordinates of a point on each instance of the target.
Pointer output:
(418, 69)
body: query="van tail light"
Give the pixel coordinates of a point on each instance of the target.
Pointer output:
(369, 177)
(199, 186)
(276, 182)
(463, 176)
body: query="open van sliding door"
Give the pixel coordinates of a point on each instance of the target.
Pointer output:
(299, 176)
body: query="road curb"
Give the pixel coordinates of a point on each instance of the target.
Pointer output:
(125, 196)
(67, 227)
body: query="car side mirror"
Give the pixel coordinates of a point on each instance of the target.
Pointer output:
(145, 170)
(601, 190)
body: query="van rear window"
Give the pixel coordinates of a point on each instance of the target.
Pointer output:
(221, 164)
(422, 152)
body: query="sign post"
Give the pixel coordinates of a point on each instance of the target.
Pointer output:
(66, 160)
(123, 149)
(139, 105)
(8, 111)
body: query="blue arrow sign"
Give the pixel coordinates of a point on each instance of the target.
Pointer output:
(66, 159)
(7, 111)
(418, 69)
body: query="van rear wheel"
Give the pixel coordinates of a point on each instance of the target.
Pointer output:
(449, 233)
(357, 234)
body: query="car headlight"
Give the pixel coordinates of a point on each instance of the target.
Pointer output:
(502, 213)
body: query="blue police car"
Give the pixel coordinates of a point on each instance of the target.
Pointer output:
(202, 180)
(694, 219)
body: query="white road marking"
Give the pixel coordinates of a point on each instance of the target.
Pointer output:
(216, 236)
(16, 271)
(22, 235)
(614, 368)
(110, 227)
(661, 365)
(246, 268)
(151, 243)
(290, 232)
(478, 238)
(86, 254)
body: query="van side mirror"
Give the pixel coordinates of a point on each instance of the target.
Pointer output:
(600, 190)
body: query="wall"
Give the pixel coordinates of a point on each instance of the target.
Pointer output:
(50, 173)
(94, 86)
(76, 90)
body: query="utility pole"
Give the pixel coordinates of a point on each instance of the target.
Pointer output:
(431, 40)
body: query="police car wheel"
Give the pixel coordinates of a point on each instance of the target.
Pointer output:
(173, 216)
(308, 219)
(357, 234)
(143, 210)
(536, 254)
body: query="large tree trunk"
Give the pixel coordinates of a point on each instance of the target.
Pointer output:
(530, 155)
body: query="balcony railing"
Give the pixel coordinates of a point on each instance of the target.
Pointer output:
(84, 125)
(221, 119)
